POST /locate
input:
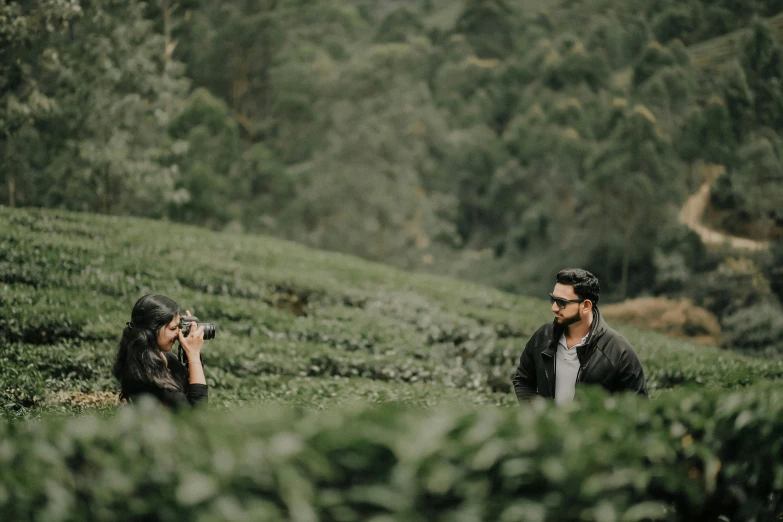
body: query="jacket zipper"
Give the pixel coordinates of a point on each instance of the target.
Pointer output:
(579, 371)
(550, 380)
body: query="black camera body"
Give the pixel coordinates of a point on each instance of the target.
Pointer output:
(186, 322)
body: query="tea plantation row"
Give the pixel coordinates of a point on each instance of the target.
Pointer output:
(302, 330)
(295, 325)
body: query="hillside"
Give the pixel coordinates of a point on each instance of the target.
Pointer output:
(295, 325)
(301, 330)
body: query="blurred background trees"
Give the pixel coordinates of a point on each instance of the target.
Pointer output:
(496, 140)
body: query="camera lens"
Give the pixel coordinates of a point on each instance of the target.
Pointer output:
(209, 331)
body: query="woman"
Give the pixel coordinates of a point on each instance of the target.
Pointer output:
(145, 364)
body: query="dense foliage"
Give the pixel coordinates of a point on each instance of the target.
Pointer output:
(474, 138)
(690, 457)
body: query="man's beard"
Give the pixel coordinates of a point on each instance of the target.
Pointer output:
(568, 321)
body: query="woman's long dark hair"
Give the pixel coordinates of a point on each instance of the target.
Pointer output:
(139, 358)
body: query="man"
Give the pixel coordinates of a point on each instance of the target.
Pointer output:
(578, 347)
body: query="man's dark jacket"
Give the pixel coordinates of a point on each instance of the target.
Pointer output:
(606, 358)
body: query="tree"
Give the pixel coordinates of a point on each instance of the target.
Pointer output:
(740, 100)
(707, 134)
(631, 180)
(573, 65)
(240, 51)
(118, 94)
(398, 25)
(365, 191)
(212, 135)
(26, 54)
(473, 156)
(610, 37)
(675, 22)
(229, 48)
(755, 184)
(774, 270)
(654, 57)
(762, 61)
(263, 184)
(488, 25)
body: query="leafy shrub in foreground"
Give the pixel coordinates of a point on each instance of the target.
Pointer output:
(606, 458)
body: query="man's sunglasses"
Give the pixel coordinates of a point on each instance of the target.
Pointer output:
(562, 303)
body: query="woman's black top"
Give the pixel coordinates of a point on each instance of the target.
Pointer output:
(190, 395)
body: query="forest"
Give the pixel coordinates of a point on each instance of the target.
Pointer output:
(490, 140)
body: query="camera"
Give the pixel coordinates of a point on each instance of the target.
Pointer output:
(186, 322)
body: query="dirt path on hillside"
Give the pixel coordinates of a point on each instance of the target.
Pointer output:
(693, 210)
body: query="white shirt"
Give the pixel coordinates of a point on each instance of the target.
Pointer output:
(566, 369)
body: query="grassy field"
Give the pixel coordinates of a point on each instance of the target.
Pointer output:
(295, 326)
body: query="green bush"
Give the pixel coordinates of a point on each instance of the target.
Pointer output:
(690, 457)
(737, 283)
(757, 328)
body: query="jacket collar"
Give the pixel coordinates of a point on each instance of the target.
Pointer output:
(585, 351)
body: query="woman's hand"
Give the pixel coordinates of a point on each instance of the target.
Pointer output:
(193, 342)
(192, 346)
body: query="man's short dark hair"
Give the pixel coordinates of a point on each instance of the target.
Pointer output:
(585, 284)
